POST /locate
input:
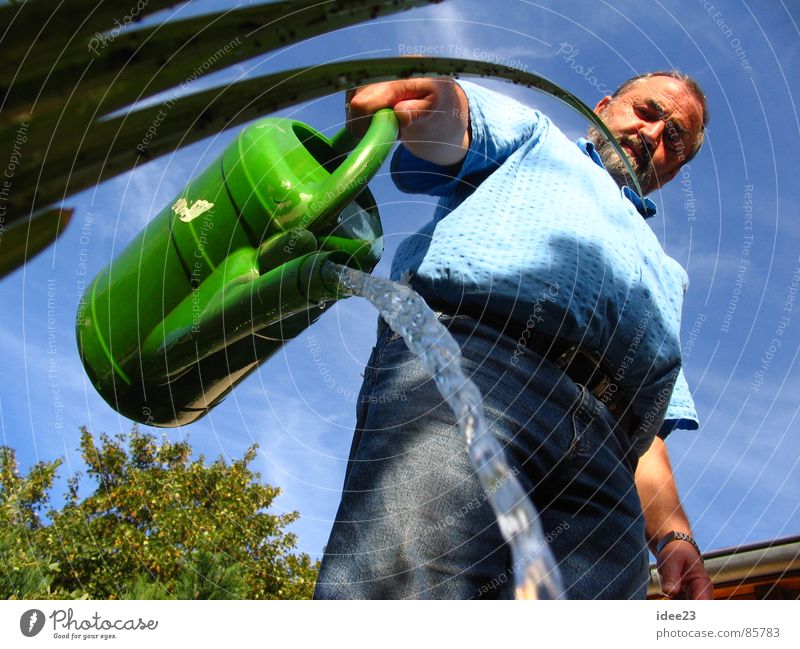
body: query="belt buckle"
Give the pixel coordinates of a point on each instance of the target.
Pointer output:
(565, 359)
(571, 351)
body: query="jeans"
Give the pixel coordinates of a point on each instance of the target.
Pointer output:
(414, 521)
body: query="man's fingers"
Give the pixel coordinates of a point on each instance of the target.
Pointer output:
(361, 103)
(671, 587)
(410, 98)
(700, 586)
(683, 574)
(673, 562)
(670, 571)
(412, 111)
(387, 94)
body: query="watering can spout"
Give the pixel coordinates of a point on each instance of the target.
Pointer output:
(222, 278)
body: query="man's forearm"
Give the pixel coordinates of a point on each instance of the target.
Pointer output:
(681, 569)
(659, 496)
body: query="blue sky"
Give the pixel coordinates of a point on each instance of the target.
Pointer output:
(736, 201)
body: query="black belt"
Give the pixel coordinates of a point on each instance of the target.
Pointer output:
(583, 366)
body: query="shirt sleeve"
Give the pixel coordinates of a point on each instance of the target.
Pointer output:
(681, 412)
(498, 127)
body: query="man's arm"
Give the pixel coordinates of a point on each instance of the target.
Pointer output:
(433, 115)
(682, 572)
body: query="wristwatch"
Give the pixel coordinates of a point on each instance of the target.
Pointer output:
(678, 536)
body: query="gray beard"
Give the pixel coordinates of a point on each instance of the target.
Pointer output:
(616, 167)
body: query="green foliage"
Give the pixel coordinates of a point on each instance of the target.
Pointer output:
(158, 525)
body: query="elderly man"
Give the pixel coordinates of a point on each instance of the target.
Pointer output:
(567, 310)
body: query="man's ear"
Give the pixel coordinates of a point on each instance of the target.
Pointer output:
(602, 104)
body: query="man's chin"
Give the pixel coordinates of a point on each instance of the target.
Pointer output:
(615, 165)
(645, 177)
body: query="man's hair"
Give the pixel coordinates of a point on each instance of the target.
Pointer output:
(693, 87)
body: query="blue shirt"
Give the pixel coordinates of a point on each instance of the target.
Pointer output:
(533, 228)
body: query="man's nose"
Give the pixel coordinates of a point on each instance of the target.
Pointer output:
(651, 133)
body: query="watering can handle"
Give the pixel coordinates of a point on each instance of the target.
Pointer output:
(361, 164)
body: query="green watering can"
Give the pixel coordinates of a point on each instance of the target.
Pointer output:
(226, 274)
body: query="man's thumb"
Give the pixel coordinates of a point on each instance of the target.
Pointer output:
(670, 579)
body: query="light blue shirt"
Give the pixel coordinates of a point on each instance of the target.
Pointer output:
(534, 227)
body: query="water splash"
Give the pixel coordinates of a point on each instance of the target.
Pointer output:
(535, 572)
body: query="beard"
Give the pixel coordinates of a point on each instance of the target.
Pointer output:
(640, 162)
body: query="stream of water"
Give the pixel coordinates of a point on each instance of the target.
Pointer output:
(535, 572)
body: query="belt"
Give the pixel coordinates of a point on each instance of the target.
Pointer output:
(583, 366)
(589, 369)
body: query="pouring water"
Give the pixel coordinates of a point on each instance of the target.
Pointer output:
(536, 575)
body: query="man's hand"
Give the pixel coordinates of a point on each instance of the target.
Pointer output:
(433, 115)
(683, 575)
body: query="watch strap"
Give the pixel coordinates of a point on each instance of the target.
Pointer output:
(678, 536)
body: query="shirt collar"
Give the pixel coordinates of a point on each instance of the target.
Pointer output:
(645, 207)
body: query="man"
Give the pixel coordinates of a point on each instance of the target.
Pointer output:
(567, 311)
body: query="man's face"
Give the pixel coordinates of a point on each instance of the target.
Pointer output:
(657, 121)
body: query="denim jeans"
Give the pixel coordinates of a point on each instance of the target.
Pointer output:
(414, 521)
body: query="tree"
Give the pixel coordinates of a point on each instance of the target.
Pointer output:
(22, 570)
(157, 525)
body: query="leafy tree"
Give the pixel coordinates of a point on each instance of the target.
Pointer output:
(21, 501)
(157, 525)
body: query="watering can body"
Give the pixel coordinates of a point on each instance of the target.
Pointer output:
(227, 273)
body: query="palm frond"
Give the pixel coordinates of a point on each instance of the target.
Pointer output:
(62, 96)
(31, 25)
(28, 238)
(117, 145)
(107, 71)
